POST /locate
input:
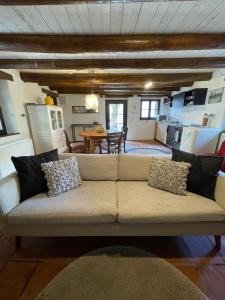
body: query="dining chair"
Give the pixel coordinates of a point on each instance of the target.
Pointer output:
(74, 147)
(124, 137)
(112, 144)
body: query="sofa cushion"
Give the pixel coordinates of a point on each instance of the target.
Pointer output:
(96, 166)
(136, 167)
(139, 203)
(203, 172)
(92, 202)
(31, 178)
(61, 176)
(168, 175)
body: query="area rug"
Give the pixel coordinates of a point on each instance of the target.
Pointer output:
(120, 273)
(142, 150)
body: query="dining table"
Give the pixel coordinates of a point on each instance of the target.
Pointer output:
(90, 136)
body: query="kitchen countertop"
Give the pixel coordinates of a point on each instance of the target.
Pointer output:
(180, 124)
(184, 125)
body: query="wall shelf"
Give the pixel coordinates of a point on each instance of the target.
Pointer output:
(189, 98)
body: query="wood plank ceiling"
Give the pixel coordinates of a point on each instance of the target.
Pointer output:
(126, 43)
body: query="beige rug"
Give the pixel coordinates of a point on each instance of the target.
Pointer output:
(120, 273)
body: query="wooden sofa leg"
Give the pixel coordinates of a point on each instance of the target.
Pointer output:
(218, 241)
(18, 242)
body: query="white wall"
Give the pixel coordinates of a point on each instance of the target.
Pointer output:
(7, 108)
(194, 114)
(67, 101)
(137, 129)
(22, 93)
(18, 93)
(164, 108)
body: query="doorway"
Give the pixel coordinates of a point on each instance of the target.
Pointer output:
(115, 114)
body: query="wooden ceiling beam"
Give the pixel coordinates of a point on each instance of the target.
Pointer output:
(115, 95)
(115, 90)
(110, 78)
(5, 76)
(114, 43)
(153, 95)
(107, 85)
(50, 93)
(60, 2)
(82, 64)
(122, 95)
(100, 92)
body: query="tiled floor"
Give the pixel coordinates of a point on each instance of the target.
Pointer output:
(151, 144)
(24, 273)
(144, 144)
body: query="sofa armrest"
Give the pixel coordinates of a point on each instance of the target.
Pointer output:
(9, 197)
(220, 190)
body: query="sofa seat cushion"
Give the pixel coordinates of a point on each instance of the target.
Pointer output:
(139, 203)
(92, 202)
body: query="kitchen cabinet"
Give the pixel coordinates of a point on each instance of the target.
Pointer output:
(191, 97)
(195, 97)
(161, 132)
(47, 127)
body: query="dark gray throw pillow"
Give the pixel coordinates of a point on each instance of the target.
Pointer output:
(203, 172)
(31, 177)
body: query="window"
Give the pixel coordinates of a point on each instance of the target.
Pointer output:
(149, 109)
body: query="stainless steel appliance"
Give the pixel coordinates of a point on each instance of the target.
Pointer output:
(174, 135)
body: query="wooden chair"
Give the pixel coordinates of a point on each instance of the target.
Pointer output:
(124, 137)
(74, 147)
(113, 143)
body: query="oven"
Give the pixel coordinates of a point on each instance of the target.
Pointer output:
(174, 134)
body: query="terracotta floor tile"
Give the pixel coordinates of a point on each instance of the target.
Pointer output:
(13, 279)
(43, 274)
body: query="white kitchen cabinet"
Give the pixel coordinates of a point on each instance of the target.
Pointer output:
(199, 140)
(161, 132)
(47, 125)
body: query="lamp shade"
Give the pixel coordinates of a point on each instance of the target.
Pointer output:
(91, 102)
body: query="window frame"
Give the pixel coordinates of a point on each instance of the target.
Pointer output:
(149, 109)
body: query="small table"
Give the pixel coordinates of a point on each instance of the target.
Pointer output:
(89, 139)
(83, 125)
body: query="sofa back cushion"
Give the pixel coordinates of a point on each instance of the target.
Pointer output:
(135, 167)
(31, 178)
(96, 166)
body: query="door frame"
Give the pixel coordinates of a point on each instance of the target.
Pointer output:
(107, 103)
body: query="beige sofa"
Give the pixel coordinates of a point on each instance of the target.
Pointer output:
(113, 200)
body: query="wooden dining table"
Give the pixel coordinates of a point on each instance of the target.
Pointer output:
(90, 136)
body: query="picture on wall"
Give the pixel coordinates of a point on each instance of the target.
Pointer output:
(134, 107)
(216, 95)
(82, 110)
